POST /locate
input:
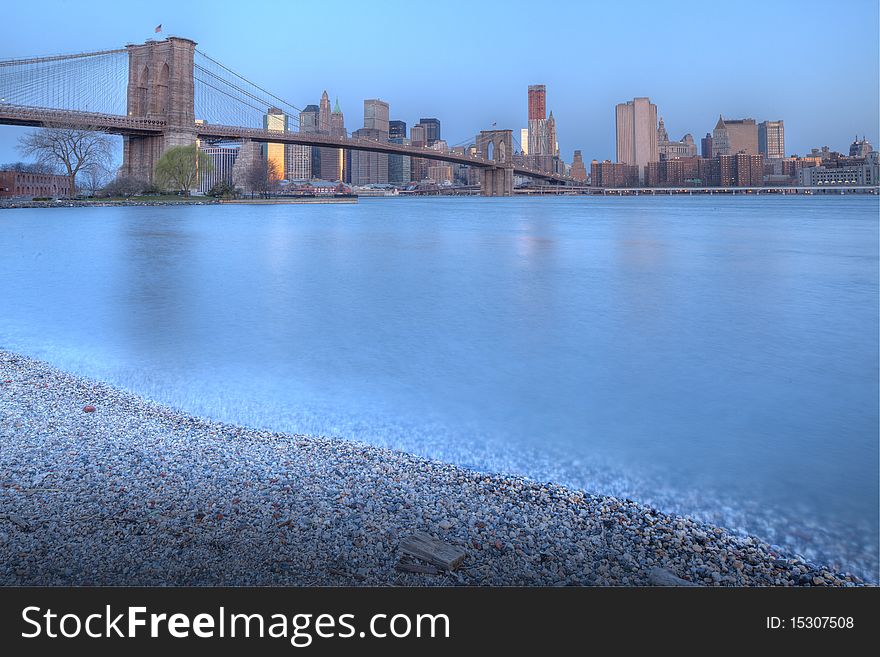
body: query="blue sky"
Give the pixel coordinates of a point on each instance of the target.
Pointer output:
(813, 64)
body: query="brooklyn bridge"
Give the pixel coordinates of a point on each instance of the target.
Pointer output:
(161, 94)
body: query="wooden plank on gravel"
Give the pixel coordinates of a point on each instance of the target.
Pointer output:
(424, 569)
(427, 548)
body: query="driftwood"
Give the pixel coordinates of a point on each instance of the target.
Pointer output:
(423, 546)
(661, 577)
(426, 569)
(15, 520)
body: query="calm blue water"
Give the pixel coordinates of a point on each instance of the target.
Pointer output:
(717, 356)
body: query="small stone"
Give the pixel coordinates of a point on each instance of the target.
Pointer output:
(697, 548)
(819, 581)
(89, 409)
(738, 564)
(445, 524)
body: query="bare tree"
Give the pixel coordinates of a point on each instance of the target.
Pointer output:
(262, 177)
(70, 149)
(94, 177)
(29, 167)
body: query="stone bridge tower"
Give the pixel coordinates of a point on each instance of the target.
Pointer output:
(160, 86)
(496, 145)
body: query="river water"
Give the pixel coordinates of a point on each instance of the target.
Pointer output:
(716, 356)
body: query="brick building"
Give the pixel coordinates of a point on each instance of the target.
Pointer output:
(14, 184)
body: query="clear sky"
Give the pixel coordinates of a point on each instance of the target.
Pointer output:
(812, 63)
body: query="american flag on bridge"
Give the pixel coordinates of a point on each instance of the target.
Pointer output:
(158, 28)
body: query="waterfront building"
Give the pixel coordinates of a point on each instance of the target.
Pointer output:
(734, 136)
(849, 171)
(440, 173)
(578, 169)
(14, 184)
(222, 159)
(706, 146)
(771, 139)
(613, 174)
(524, 140)
(636, 128)
(275, 120)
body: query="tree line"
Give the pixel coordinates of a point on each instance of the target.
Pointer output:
(85, 156)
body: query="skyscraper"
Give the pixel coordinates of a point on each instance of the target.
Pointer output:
(367, 167)
(396, 130)
(771, 139)
(398, 165)
(578, 168)
(537, 101)
(324, 114)
(524, 140)
(308, 122)
(706, 146)
(336, 164)
(432, 130)
(418, 137)
(636, 122)
(376, 115)
(275, 121)
(735, 136)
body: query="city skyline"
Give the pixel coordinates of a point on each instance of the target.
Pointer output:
(582, 97)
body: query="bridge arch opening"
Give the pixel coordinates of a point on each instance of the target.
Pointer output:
(143, 81)
(160, 91)
(490, 150)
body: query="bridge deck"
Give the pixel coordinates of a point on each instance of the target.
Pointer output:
(131, 125)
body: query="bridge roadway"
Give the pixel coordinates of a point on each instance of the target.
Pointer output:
(131, 125)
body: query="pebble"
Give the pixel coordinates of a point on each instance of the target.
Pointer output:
(152, 496)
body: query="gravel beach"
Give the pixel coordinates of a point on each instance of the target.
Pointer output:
(99, 486)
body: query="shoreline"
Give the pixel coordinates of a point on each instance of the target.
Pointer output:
(136, 493)
(197, 200)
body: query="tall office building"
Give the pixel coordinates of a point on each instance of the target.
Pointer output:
(376, 115)
(432, 130)
(771, 139)
(308, 122)
(578, 168)
(398, 165)
(735, 136)
(222, 159)
(706, 146)
(418, 137)
(552, 144)
(366, 167)
(299, 162)
(636, 122)
(275, 121)
(396, 130)
(524, 140)
(537, 101)
(324, 114)
(337, 129)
